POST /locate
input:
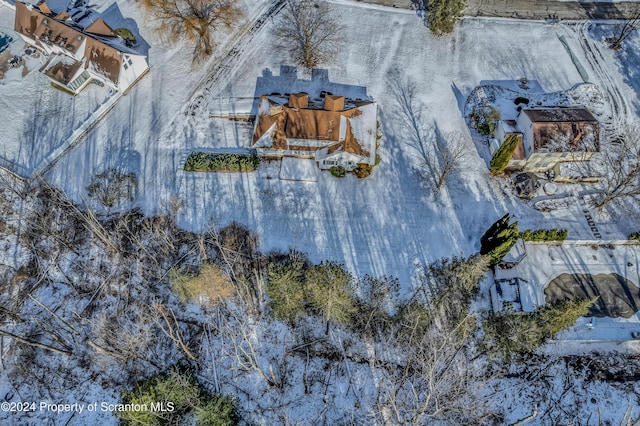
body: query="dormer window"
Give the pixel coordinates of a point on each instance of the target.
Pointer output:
(79, 38)
(45, 21)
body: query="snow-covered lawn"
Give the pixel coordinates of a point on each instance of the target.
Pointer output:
(384, 224)
(37, 118)
(380, 225)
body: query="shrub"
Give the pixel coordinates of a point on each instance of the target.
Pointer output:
(338, 171)
(113, 187)
(486, 128)
(484, 120)
(209, 286)
(544, 235)
(179, 388)
(442, 15)
(635, 236)
(363, 170)
(209, 162)
(127, 36)
(503, 155)
(521, 100)
(378, 159)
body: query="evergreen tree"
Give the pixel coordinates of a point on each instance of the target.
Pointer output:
(499, 239)
(189, 399)
(286, 289)
(563, 314)
(501, 157)
(454, 282)
(442, 15)
(514, 332)
(375, 304)
(329, 292)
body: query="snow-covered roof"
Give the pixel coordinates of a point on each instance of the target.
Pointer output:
(103, 49)
(509, 126)
(354, 127)
(62, 68)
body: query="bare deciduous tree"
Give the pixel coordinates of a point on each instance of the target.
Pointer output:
(619, 164)
(445, 158)
(625, 30)
(440, 155)
(433, 381)
(310, 30)
(195, 20)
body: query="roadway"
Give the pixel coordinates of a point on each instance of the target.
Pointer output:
(534, 9)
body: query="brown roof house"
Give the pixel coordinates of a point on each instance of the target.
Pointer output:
(549, 135)
(78, 46)
(333, 130)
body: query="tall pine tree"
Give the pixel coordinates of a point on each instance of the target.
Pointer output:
(499, 239)
(329, 292)
(502, 156)
(286, 289)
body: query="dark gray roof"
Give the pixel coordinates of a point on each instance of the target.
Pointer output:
(559, 114)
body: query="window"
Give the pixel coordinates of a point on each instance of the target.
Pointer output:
(125, 66)
(130, 62)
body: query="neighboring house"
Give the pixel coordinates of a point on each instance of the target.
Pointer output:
(79, 47)
(548, 135)
(333, 130)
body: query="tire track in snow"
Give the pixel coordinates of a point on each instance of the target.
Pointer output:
(230, 59)
(600, 67)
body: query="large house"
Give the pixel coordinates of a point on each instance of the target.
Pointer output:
(333, 130)
(549, 135)
(78, 46)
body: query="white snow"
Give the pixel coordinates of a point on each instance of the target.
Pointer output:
(298, 169)
(385, 224)
(380, 225)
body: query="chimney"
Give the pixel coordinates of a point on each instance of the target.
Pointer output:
(298, 100)
(333, 103)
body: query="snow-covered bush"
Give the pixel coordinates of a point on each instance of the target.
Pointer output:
(338, 171)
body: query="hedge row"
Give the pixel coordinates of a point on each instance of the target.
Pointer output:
(208, 162)
(544, 235)
(635, 236)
